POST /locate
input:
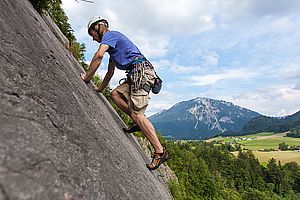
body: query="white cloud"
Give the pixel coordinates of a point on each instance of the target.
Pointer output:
(211, 59)
(158, 102)
(290, 72)
(274, 101)
(150, 45)
(118, 75)
(174, 68)
(210, 79)
(181, 16)
(236, 10)
(165, 100)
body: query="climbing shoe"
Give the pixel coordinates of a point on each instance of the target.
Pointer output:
(157, 160)
(132, 128)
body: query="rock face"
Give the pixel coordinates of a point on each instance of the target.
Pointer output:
(58, 139)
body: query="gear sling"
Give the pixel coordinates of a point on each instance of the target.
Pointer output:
(139, 76)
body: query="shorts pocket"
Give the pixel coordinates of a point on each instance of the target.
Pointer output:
(139, 100)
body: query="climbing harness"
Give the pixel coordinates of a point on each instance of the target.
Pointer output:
(140, 75)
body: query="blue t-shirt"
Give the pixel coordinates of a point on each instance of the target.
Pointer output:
(121, 49)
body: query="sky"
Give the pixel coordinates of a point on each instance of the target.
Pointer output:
(245, 52)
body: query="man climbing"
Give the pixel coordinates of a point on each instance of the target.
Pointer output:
(132, 95)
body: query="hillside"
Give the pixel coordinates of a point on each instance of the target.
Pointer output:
(272, 124)
(58, 138)
(201, 118)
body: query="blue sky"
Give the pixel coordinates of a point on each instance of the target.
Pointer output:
(245, 52)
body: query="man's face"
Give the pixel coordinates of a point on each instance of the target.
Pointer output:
(94, 34)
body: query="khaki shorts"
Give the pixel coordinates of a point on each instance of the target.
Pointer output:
(137, 99)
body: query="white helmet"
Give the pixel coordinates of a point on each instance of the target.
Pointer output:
(93, 21)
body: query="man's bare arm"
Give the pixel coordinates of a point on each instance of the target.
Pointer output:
(108, 75)
(95, 63)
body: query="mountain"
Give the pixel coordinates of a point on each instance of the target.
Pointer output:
(201, 118)
(272, 124)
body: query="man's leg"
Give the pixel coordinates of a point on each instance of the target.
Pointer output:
(120, 101)
(148, 130)
(144, 124)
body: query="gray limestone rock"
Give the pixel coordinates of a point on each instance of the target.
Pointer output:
(58, 139)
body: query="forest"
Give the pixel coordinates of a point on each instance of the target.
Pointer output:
(210, 171)
(272, 124)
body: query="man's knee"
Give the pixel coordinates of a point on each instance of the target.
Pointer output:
(137, 117)
(115, 95)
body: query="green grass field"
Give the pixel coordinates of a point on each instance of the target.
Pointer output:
(282, 156)
(269, 143)
(266, 140)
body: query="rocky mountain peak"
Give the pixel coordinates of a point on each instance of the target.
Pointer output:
(201, 117)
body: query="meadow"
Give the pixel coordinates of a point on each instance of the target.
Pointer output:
(259, 143)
